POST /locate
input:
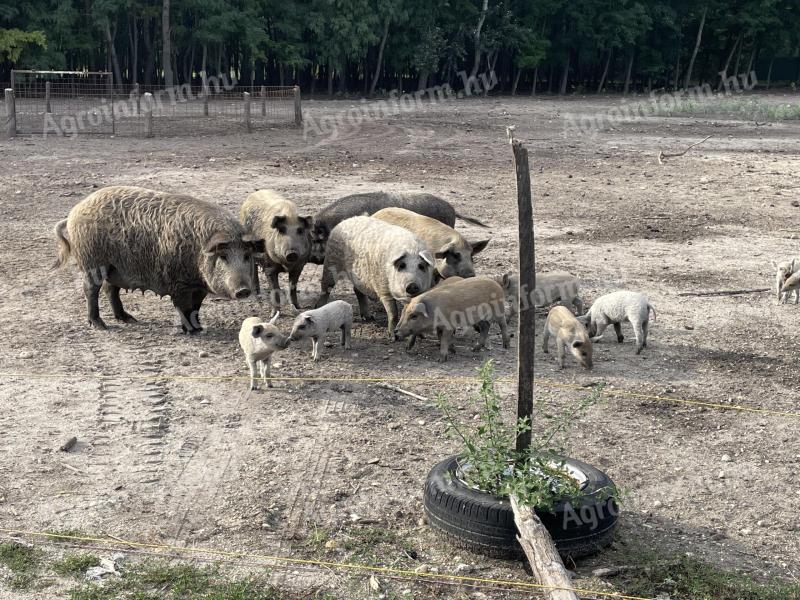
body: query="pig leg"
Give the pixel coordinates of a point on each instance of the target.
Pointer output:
(560, 349)
(274, 288)
(363, 307)
(618, 330)
(251, 364)
(346, 335)
(637, 331)
(390, 306)
(503, 330)
(112, 292)
(546, 337)
(91, 287)
(645, 330)
(482, 327)
(189, 322)
(294, 276)
(265, 374)
(326, 284)
(578, 304)
(411, 341)
(797, 295)
(445, 341)
(254, 275)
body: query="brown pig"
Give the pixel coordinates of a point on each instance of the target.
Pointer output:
(452, 252)
(475, 302)
(569, 333)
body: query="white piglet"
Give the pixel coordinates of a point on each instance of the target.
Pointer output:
(316, 323)
(613, 309)
(259, 341)
(783, 271)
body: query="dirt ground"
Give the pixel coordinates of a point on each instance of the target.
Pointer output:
(197, 460)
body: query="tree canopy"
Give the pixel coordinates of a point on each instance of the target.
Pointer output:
(365, 46)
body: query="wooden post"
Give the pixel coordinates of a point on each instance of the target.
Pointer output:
(298, 111)
(527, 283)
(541, 552)
(135, 97)
(247, 124)
(11, 113)
(47, 108)
(263, 100)
(148, 114)
(205, 95)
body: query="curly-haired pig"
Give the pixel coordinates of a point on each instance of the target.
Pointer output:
(287, 237)
(368, 203)
(316, 323)
(381, 260)
(550, 288)
(259, 341)
(783, 271)
(570, 334)
(452, 252)
(174, 245)
(452, 305)
(613, 309)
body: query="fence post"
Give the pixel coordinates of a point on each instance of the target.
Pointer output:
(263, 100)
(135, 96)
(298, 112)
(205, 96)
(148, 114)
(47, 108)
(247, 124)
(11, 114)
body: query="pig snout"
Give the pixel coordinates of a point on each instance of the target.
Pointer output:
(242, 293)
(412, 289)
(292, 257)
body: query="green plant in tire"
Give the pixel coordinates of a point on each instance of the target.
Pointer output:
(489, 461)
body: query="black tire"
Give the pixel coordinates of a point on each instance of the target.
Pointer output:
(484, 523)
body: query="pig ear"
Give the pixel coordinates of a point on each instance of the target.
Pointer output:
(309, 319)
(257, 329)
(479, 246)
(793, 263)
(217, 243)
(506, 281)
(307, 222)
(277, 221)
(274, 318)
(421, 309)
(442, 252)
(426, 256)
(255, 245)
(577, 344)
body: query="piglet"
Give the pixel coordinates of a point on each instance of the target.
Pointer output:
(316, 323)
(259, 341)
(569, 333)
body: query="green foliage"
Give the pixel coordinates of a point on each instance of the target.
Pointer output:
(489, 460)
(691, 579)
(14, 41)
(75, 565)
(22, 561)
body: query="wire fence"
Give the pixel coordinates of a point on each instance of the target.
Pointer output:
(68, 103)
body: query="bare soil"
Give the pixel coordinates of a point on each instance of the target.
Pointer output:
(196, 459)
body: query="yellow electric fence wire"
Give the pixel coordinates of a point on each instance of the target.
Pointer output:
(318, 563)
(430, 380)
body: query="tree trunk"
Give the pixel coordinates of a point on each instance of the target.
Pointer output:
(738, 57)
(769, 72)
(696, 48)
(112, 51)
(677, 74)
(330, 78)
(477, 39)
(133, 39)
(550, 80)
(628, 74)
(605, 72)
(564, 77)
(535, 77)
(148, 36)
(166, 52)
(343, 76)
(204, 64)
(422, 82)
(379, 66)
(752, 59)
(517, 73)
(728, 62)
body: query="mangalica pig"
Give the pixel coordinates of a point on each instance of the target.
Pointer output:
(287, 236)
(452, 305)
(382, 261)
(369, 203)
(570, 334)
(783, 271)
(259, 340)
(452, 252)
(616, 307)
(171, 244)
(550, 288)
(316, 323)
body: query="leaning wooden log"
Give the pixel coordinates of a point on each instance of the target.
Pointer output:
(727, 292)
(542, 554)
